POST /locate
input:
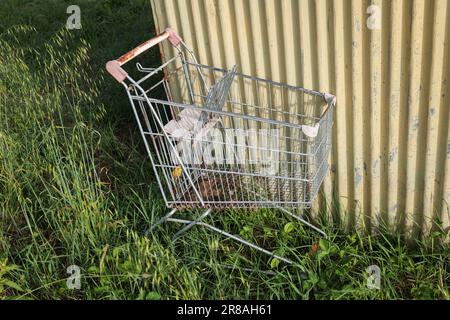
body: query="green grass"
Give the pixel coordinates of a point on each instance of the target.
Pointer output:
(77, 188)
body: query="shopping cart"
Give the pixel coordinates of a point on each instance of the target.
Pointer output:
(222, 139)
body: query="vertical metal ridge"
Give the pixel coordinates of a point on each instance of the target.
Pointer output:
(376, 96)
(316, 59)
(289, 41)
(158, 16)
(396, 97)
(435, 107)
(331, 183)
(314, 49)
(265, 39)
(444, 214)
(417, 51)
(366, 203)
(259, 38)
(305, 40)
(170, 17)
(401, 215)
(358, 101)
(273, 27)
(187, 24)
(213, 33)
(444, 201)
(425, 87)
(289, 66)
(441, 196)
(424, 217)
(241, 38)
(176, 13)
(348, 45)
(210, 45)
(341, 115)
(324, 74)
(228, 36)
(200, 32)
(383, 125)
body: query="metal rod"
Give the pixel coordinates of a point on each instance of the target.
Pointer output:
(163, 219)
(298, 218)
(156, 70)
(308, 91)
(302, 221)
(232, 236)
(222, 113)
(191, 224)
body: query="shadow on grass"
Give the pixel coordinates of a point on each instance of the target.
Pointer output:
(110, 27)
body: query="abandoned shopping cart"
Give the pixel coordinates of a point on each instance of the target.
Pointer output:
(223, 139)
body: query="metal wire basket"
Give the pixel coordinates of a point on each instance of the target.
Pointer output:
(225, 139)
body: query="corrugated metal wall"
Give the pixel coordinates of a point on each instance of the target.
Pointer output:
(387, 61)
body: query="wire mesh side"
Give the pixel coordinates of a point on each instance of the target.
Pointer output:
(253, 155)
(233, 167)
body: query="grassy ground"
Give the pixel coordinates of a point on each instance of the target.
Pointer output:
(76, 188)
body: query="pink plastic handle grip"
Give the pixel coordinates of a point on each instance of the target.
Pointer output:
(167, 34)
(114, 66)
(114, 69)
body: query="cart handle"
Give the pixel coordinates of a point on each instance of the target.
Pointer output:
(114, 67)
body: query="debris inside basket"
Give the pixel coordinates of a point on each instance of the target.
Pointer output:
(216, 187)
(224, 191)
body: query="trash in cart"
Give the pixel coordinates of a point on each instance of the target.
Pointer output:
(222, 139)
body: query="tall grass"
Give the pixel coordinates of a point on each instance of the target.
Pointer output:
(76, 189)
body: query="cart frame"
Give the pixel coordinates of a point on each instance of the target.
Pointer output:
(203, 99)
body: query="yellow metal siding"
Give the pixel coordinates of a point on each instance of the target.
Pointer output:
(391, 139)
